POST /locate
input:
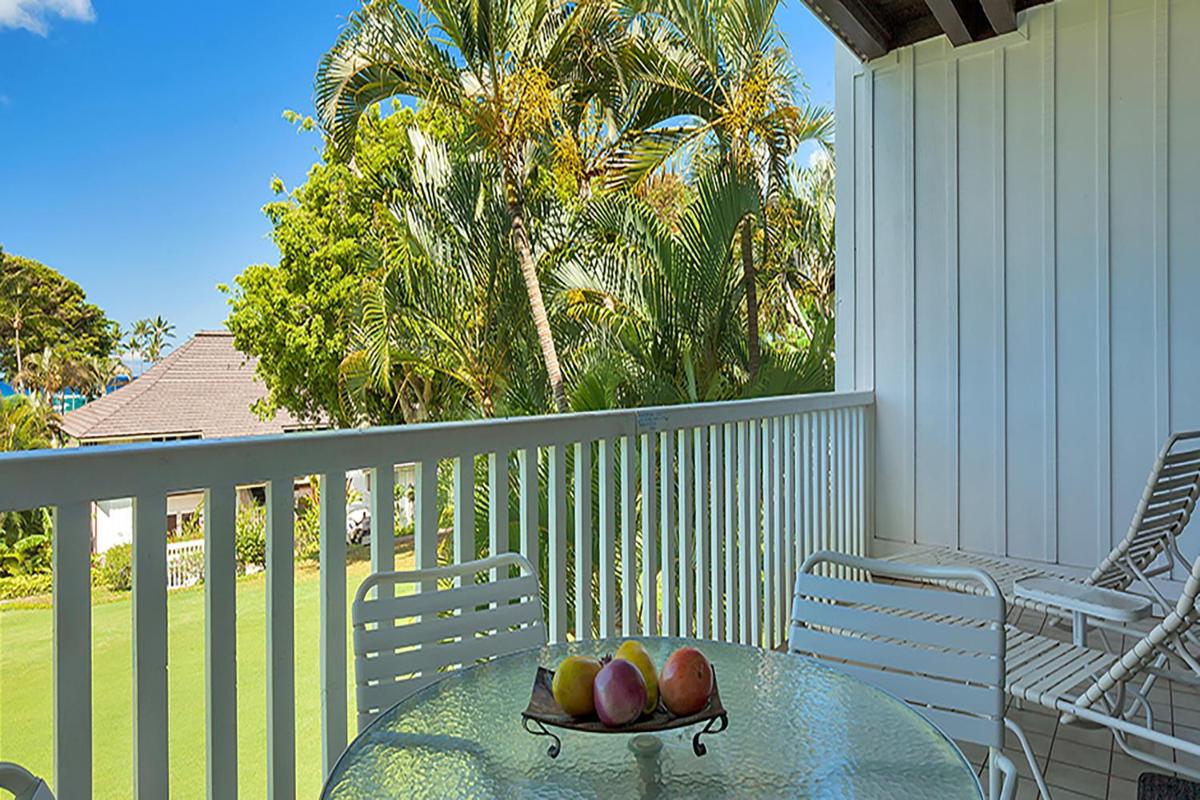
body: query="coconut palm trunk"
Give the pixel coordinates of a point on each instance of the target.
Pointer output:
(537, 307)
(749, 281)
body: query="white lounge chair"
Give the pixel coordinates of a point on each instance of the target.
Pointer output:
(1149, 549)
(1100, 688)
(404, 642)
(23, 784)
(940, 652)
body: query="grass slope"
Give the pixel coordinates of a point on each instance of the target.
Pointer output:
(26, 700)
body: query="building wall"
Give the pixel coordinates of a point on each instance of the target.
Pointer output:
(1019, 273)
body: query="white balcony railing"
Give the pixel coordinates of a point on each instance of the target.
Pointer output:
(730, 497)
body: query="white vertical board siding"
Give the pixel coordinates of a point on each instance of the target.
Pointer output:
(1017, 273)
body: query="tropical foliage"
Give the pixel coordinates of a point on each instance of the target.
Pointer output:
(590, 204)
(41, 309)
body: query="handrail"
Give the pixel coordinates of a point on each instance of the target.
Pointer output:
(52, 477)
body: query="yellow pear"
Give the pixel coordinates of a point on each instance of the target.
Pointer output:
(633, 652)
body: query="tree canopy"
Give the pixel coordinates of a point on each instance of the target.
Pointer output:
(40, 309)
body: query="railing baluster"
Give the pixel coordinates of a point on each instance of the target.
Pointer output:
(71, 547)
(333, 618)
(583, 540)
(383, 518)
(755, 539)
(745, 540)
(860, 497)
(733, 583)
(150, 765)
(666, 532)
(823, 504)
(777, 529)
(649, 571)
(527, 469)
(685, 525)
(629, 606)
(220, 641)
(281, 640)
(806, 481)
(464, 512)
(768, 542)
(716, 529)
(497, 506)
(704, 568)
(608, 534)
(790, 529)
(557, 578)
(425, 531)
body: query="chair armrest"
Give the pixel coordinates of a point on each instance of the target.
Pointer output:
(1008, 790)
(1091, 601)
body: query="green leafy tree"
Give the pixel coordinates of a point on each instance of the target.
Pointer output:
(521, 74)
(25, 535)
(295, 316)
(39, 308)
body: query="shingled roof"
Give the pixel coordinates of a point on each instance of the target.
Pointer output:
(203, 388)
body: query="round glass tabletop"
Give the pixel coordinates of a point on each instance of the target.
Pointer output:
(796, 729)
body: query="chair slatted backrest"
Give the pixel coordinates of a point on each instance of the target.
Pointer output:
(940, 651)
(1163, 512)
(406, 639)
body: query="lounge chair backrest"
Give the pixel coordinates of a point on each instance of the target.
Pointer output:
(1150, 646)
(1163, 512)
(22, 783)
(941, 652)
(405, 641)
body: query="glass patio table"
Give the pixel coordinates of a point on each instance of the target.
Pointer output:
(796, 729)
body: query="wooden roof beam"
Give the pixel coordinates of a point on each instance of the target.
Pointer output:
(1002, 14)
(961, 20)
(855, 24)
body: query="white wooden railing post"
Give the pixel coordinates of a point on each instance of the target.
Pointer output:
(527, 467)
(666, 532)
(150, 764)
(699, 436)
(733, 584)
(685, 528)
(583, 540)
(281, 640)
(608, 540)
(72, 538)
(383, 518)
(629, 604)
(649, 555)
(464, 511)
(497, 506)
(220, 648)
(768, 543)
(333, 618)
(557, 546)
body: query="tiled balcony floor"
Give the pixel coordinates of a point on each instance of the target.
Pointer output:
(1086, 763)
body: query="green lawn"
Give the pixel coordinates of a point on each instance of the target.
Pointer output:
(26, 699)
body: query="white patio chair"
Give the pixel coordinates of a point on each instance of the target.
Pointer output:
(405, 641)
(1099, 688)
(1163, 512)
(23, 784)
(940, 652)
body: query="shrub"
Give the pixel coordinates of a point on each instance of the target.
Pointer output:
(25, 586)
(250, 536)
(27, 556)
(308, 528)
(116, 573)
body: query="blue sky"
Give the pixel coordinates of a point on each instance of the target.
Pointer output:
(138, 139)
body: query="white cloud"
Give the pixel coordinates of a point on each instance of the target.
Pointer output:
(33, 15)
(817, 158)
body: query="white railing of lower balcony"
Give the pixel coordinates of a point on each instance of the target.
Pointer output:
(728, 497)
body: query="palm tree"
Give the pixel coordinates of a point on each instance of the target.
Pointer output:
(17, 308)
(100, 372)
(158, 331)
(522, 73)
(724, 77)
(50, 372)
(667, 301)
(25, 425)
(137, 338)
(438, 322)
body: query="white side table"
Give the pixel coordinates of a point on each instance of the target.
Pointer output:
(1083, 601)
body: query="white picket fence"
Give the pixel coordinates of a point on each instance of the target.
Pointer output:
(182, 569)
(706, 510)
